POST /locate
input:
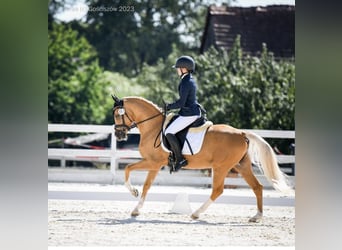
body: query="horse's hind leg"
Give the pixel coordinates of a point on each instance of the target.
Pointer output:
(219, 175)
(245, 169)
(148, 182)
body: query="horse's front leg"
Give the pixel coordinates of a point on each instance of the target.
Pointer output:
(141, 165)
(153, 171)
(148, 182)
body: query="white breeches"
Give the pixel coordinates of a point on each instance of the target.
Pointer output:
(180, 123)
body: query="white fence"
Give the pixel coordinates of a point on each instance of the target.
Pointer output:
(113, 155)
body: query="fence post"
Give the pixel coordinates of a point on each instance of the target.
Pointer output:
(113, 155)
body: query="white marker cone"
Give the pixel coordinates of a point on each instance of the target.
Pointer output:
(181, 204)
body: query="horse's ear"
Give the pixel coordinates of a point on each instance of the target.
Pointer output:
(115, 98)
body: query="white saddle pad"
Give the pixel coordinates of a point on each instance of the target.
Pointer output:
(195, 137)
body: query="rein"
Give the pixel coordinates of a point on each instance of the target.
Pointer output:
(161, 130)
(150, 118)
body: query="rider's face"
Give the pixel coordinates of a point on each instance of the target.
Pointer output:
(181, 71)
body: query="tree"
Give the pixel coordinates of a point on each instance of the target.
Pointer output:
(127, 38)
(76, 95)
(129, 35)
(245, 92)
(54, 7)
(143, 41)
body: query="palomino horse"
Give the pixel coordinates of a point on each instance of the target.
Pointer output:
(224, 147)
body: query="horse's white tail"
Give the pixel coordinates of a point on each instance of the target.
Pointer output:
(263, 156)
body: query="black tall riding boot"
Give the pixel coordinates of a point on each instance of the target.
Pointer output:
(174, 143)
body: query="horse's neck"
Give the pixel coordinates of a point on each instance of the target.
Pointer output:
(145, 111)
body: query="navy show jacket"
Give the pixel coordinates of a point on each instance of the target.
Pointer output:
(187, 102)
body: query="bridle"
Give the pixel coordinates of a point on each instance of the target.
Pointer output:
(122, 112)
(119, 128)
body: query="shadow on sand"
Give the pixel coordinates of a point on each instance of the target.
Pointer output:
(136, 220)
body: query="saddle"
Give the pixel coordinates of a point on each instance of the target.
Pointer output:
(198, 126)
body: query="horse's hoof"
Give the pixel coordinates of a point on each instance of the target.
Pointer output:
(135, 213)
(255, 219)
(194, 217)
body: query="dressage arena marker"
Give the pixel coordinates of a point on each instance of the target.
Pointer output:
(181, 204)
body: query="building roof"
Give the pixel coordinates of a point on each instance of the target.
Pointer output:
(273, 25)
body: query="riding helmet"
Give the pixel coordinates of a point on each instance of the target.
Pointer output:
(185, 62)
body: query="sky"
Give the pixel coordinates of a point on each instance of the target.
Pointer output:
(80, 9)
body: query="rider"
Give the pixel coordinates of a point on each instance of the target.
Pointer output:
(188, 105)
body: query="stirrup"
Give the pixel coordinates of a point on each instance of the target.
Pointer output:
(180, 164)
(175, 166)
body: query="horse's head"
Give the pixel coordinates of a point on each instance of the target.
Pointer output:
(126, 110)
(120, 120)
